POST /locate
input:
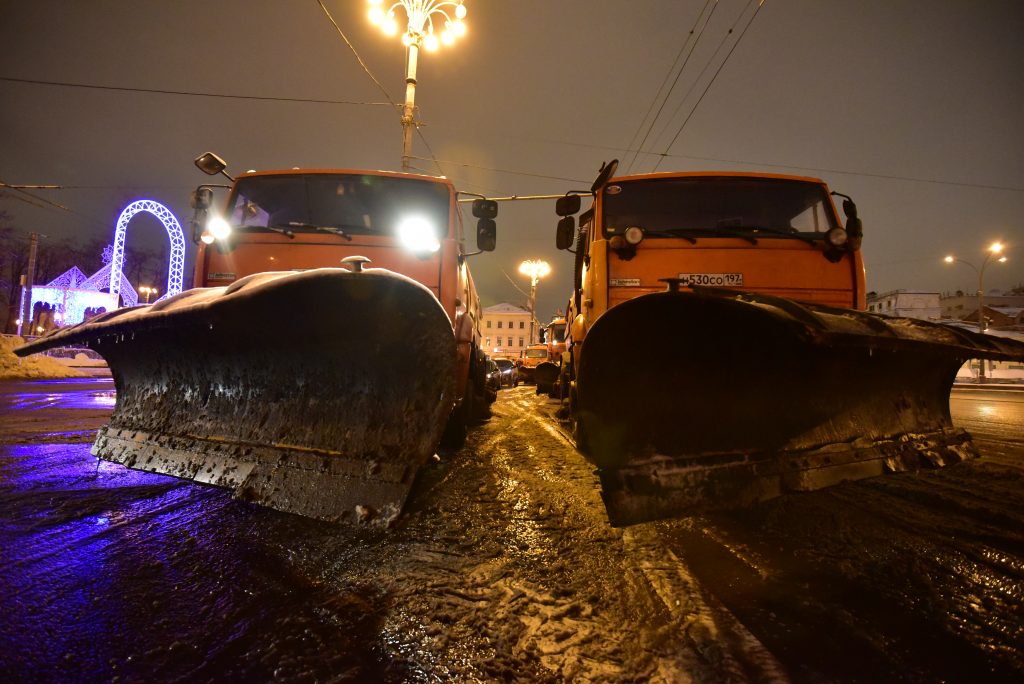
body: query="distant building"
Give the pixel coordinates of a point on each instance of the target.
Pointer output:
(962, 305)
(506, 330)
(999, 317)
(906, 303)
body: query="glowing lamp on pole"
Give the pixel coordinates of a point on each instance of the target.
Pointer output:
(993, 249)
(535, 269)
(429, 24)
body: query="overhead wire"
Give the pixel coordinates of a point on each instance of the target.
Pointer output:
(42, 203)
(721, 66)
(518, 173)
(191, 93)
(675, 82)
(359, 59)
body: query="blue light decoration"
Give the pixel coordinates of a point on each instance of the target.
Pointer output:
(176, 265)
(71, 294)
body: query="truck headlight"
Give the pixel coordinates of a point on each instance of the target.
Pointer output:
(836, 237)
(218, 227)
(634, 235)
(417, 235)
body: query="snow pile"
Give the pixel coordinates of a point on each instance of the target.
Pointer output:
(32, 367)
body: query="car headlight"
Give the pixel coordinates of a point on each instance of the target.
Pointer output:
(218, 228)
(417, 234)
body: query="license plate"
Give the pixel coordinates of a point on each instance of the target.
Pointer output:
(712, 279)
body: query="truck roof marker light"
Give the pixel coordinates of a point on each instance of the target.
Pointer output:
(417, 234)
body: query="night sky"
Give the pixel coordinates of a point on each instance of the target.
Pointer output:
(912, 107)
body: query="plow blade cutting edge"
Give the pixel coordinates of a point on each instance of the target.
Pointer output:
(690, 401)
(319, 393)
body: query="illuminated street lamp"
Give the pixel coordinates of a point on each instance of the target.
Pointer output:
(421, 16)
(147, 290)
(994, 248)
(535, 269)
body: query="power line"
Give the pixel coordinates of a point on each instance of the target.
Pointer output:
(516, 173)
(760, 4)
(674, 83)
(43, 203)
(265, 98)
(359, 59)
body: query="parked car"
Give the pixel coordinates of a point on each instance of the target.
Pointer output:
(493, 381)
(509, 372)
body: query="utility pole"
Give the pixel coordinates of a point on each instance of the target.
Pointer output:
(408, 114)
(421, 16)
(26, 286)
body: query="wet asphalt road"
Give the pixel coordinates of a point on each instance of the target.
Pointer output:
(503, 568)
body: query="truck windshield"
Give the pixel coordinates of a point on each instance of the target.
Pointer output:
(355, 204)
(696, 207)
(536, 353)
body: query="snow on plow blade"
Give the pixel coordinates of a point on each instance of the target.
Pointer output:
(319, 393)
(690, 401)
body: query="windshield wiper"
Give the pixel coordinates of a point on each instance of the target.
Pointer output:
(684, 233)
(323, 229)
(283, 231)
(785, 232)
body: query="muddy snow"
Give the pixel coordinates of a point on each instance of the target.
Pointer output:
(503, 568)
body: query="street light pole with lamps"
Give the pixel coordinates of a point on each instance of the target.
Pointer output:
(535, 269)
(419, 32)
(994, 248)
(148, 291)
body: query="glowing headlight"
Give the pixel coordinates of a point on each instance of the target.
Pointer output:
(207, 237)
(417, 235)
(218, 228)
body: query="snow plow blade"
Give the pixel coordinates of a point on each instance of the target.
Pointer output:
(546, 375)
(319, 392)
(710, 399)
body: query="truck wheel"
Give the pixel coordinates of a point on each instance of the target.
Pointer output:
(454, 435)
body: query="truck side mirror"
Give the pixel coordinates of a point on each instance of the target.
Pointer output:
(849, 208)
(485, 209)
(854, 231)
(210, 164)
(486, 233)
(565, 232)
(607, 171)
(568, 205)
(202, 200)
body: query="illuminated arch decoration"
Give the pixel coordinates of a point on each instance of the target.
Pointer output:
(176, 264)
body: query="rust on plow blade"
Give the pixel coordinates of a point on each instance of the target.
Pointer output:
(691, 401)
(319, 393)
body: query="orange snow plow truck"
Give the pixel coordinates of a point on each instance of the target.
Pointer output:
(719, 352)
(330, 344)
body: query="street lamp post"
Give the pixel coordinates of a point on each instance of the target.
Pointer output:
(419, 33)
(535, 269)
(147, 290)
(994, 248)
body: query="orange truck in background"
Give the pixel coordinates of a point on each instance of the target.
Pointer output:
(547, 373)
(719, 352)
